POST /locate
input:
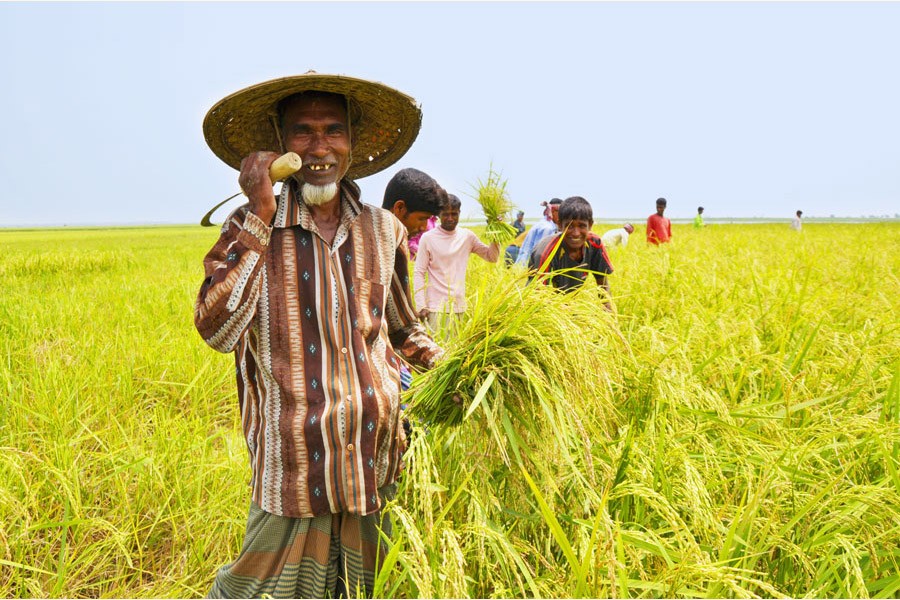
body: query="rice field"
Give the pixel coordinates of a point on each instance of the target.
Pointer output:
(733, 430)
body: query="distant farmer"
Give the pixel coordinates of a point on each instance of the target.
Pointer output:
(512, 250)
(541, 229)
(579, 254)
(310, 292)
(659, 228)
(439, 278)
(617, 237)
(797, 223)
(414, 198)
(698, 220)
(519, 223)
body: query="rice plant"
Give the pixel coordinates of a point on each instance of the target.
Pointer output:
(491, 195)
(732, 430)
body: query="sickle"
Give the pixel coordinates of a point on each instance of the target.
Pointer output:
(282, 167)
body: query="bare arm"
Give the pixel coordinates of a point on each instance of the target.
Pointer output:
(489, 253)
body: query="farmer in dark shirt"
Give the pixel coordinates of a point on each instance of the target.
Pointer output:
(570, 256)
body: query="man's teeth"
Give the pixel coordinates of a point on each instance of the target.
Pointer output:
(319, 167)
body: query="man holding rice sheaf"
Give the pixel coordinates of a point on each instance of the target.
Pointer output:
(310, 291)
(439, 277)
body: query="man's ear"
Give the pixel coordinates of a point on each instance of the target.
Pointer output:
(399, 209)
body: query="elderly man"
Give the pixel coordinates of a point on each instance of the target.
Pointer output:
(310, 291)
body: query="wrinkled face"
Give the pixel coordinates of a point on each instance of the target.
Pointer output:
(576, 234)
(317, 130)
(449, 218)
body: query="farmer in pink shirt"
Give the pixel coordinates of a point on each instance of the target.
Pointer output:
(439, 278)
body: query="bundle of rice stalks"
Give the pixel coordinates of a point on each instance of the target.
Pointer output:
(521, 347)
(496, 205)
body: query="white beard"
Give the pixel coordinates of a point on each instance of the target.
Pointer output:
(317, 195)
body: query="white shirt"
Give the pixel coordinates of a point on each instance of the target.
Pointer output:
(444, 257)
(796, 224)
(615, 237)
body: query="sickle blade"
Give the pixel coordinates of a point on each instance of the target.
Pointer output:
(205, 221)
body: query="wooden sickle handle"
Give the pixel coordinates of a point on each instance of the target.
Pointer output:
(281, 168)
(285, 166)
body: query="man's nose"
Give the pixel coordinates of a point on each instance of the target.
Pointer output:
(319, 145)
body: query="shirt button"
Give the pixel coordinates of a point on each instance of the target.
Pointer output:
(348, 398)
(343, 351)
(349, 447)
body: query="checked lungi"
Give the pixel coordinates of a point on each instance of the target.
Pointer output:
(330, 556)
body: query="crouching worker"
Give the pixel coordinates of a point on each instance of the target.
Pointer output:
(569, 257)
(310, 291)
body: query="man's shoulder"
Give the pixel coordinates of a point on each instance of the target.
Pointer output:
(541, 245)
(430, 234)
(372, 211)
(379, 218)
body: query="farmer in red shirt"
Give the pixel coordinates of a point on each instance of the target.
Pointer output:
(659, 228)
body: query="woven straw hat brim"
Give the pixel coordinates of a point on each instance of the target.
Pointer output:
(384, 121)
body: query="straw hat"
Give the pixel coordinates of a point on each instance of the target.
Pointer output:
(384, 122)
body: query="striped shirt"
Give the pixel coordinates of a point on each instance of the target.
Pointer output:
(314, 328)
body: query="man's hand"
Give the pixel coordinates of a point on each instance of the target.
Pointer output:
(423, 314)
(457, 400)
(255, 182)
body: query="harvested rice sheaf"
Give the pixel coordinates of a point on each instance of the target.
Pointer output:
(497, 207)
(519, 346)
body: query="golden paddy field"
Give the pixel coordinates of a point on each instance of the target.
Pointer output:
(732, 431)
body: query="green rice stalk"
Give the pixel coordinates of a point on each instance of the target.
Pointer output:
(515, 351)
(497, 207)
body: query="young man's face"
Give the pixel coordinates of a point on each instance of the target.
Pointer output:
(414, 221)
(576, 234)
(660, 209)
(316, 129)
(449, 218)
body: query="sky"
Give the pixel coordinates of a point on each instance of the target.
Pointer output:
(749, 109)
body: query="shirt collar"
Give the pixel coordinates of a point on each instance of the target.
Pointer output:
(292, 211)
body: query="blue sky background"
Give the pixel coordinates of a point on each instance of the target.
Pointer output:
(750, 109)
